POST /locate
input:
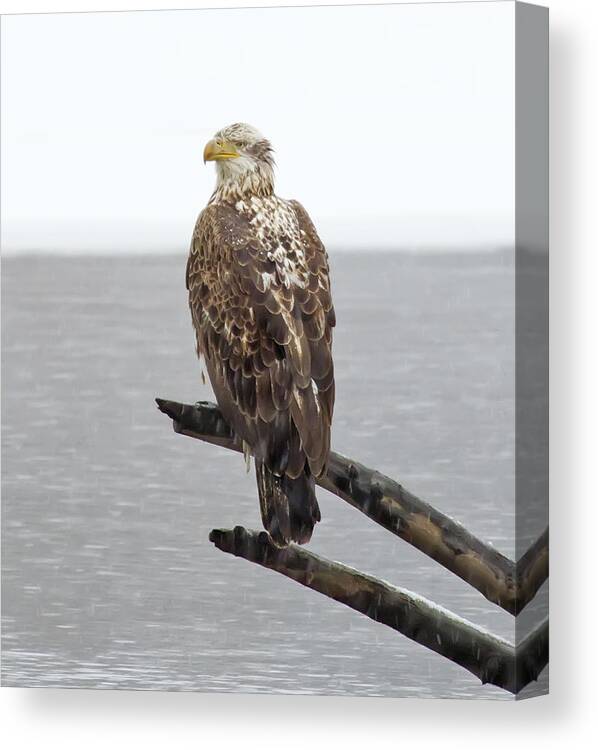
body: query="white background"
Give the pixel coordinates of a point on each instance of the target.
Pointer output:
(567, 718)
(394, 129)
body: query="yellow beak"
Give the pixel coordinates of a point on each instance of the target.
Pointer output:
(219, 150)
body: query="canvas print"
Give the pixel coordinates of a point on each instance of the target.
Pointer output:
(274, 350)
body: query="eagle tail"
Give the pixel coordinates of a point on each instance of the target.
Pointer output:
(289, 506)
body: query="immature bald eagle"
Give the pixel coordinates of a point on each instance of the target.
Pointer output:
(259, 293)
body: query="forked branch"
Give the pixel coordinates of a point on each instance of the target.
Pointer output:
(390, 505)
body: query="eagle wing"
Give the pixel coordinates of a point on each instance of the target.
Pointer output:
(266, 336)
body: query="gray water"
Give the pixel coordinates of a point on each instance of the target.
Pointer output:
(108, 577)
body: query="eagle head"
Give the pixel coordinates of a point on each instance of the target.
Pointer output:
(244, 161)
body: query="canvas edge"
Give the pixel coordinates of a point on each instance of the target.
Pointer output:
(531, 298)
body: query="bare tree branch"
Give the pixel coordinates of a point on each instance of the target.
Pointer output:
(489, 658)
(532, 570)
(390, 505)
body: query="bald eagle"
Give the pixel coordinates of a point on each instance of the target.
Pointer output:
(259, 293)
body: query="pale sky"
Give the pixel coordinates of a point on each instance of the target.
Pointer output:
(393, 125)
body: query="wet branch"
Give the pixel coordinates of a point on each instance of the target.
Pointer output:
(386, 502)
(491, 659)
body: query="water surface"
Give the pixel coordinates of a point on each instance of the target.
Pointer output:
(109, 580)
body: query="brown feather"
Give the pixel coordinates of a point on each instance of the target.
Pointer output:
(262, 311)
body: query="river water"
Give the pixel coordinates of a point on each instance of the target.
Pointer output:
(108, 577)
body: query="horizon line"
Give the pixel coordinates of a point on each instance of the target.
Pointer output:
(136, 251)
